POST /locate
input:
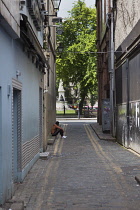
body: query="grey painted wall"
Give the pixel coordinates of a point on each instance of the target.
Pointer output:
(127, 17)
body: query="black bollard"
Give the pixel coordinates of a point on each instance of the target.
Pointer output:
(64, 109)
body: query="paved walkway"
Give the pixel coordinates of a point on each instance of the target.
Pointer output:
(82, 172)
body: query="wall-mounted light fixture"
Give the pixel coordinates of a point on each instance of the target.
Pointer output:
(56, 4)
(18, 73)
(57, 19)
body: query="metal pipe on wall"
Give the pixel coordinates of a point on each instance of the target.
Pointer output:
(112, 74)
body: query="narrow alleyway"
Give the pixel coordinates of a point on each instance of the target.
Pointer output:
(82, 172)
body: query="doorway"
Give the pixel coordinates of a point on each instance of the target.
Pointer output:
(16, 134)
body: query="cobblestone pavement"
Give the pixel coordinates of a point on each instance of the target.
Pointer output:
(82, 172)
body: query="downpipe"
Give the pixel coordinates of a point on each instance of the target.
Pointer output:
(112, 75)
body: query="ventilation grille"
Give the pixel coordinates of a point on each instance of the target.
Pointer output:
(29, 150)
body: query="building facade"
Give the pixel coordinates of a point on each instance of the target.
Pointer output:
(50, 76)
(103, 56)
(119, 43)
(23, 64)
(127, 66)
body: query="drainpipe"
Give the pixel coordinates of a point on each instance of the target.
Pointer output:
(112, 74)
(127, 142)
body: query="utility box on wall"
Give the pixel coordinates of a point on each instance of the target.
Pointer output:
(105, 115)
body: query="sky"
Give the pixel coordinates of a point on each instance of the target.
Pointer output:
(66, 5)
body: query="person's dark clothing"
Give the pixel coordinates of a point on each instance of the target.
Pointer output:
(58, 131)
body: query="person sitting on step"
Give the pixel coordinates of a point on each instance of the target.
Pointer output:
(57, 129)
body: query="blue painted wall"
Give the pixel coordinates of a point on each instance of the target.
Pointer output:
(0, 143)
(12, 59)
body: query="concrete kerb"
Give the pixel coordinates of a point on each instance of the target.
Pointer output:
(102, 136)
(63, 119)
(51, 139)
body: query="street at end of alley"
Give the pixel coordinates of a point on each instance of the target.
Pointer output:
(82, 172)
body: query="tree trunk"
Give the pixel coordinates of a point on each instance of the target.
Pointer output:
(81, 104)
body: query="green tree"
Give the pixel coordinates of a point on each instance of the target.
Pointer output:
(77, 62)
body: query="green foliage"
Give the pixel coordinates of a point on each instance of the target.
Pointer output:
(77, 64)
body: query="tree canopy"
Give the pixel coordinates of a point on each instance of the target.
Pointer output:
(77, 62)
